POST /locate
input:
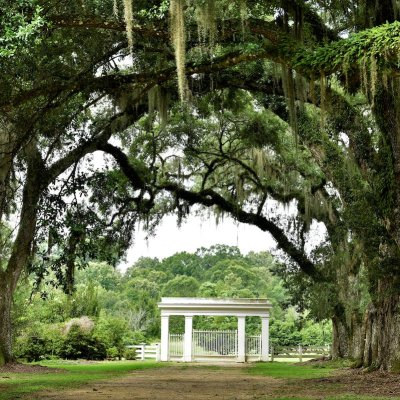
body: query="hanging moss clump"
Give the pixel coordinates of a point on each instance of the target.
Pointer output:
(178, 38)
(206, 22)
(373, 77)
(290, 95)
(243, 13)
(323, 84)
(128, 16)
(115, 9)
(158, 100)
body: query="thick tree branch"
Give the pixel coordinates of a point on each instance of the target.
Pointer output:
(209, 198)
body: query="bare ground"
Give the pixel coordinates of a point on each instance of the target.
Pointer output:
(227, 383)
(27, 368)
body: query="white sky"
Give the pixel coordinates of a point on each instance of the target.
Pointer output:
(194, 233)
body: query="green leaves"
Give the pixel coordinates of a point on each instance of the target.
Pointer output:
(381, 42)
(20, 24)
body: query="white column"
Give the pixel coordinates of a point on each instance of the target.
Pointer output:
(187, 347)
(164, 338)
(264, 338)
(241, 356)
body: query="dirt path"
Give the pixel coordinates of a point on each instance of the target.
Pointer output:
(229, 382)
(200, 383)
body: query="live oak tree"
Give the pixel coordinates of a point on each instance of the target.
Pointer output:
(43, 135)
(315, 126)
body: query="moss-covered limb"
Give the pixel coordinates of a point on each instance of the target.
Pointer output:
(210, 198)
(229, 29)
(261, 187)
(343, 116)
(113, 82)
(381, 43)
(360, 212)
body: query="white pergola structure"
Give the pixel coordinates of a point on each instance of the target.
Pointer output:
(191, 306)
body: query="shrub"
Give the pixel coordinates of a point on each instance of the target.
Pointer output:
(112, 353)
(112, 331)
(31, 348)
(79, 344)
(136, 337)
(39, 342)
(130, 354)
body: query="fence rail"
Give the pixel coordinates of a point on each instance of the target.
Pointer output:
(224, 343)
(146, 352)
(299, 352)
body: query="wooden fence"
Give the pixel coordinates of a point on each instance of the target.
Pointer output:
(146, 351)
(253, 345)
(298, 353)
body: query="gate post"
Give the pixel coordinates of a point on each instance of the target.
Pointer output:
(264, 338)
(164, 337)
(187, 343)
(241, 355)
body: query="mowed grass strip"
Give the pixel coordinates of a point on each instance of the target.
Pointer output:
(75, 374)
(290, 370)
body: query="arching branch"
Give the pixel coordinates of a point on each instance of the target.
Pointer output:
(210, 198)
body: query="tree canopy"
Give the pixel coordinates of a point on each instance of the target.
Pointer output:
(282, 114)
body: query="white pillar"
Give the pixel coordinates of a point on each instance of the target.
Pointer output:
(264, 338)
(164, 338)
(187, 347)
(241, 356)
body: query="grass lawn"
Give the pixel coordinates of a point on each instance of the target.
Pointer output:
(14, 386)
(290, 370)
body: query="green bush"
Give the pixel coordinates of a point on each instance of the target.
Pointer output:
(130, 354)
(39, 342)
(136, 337)
(113, 331)
(31, 348)
(112, 353)
(79, 344)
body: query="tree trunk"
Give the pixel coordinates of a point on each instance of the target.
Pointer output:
(382, 332)
(21, 249)
(340, 345)
(348, 338)
(5, 322)
(356, 339)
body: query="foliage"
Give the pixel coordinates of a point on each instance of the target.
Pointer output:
(32, 349)
(20, 22)
(79, 344)
(124, 309)
(379, 44)
(113, 332)
(130, 354)
(181, 286)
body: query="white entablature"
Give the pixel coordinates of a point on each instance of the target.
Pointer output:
(216, 307)
(191, 306)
